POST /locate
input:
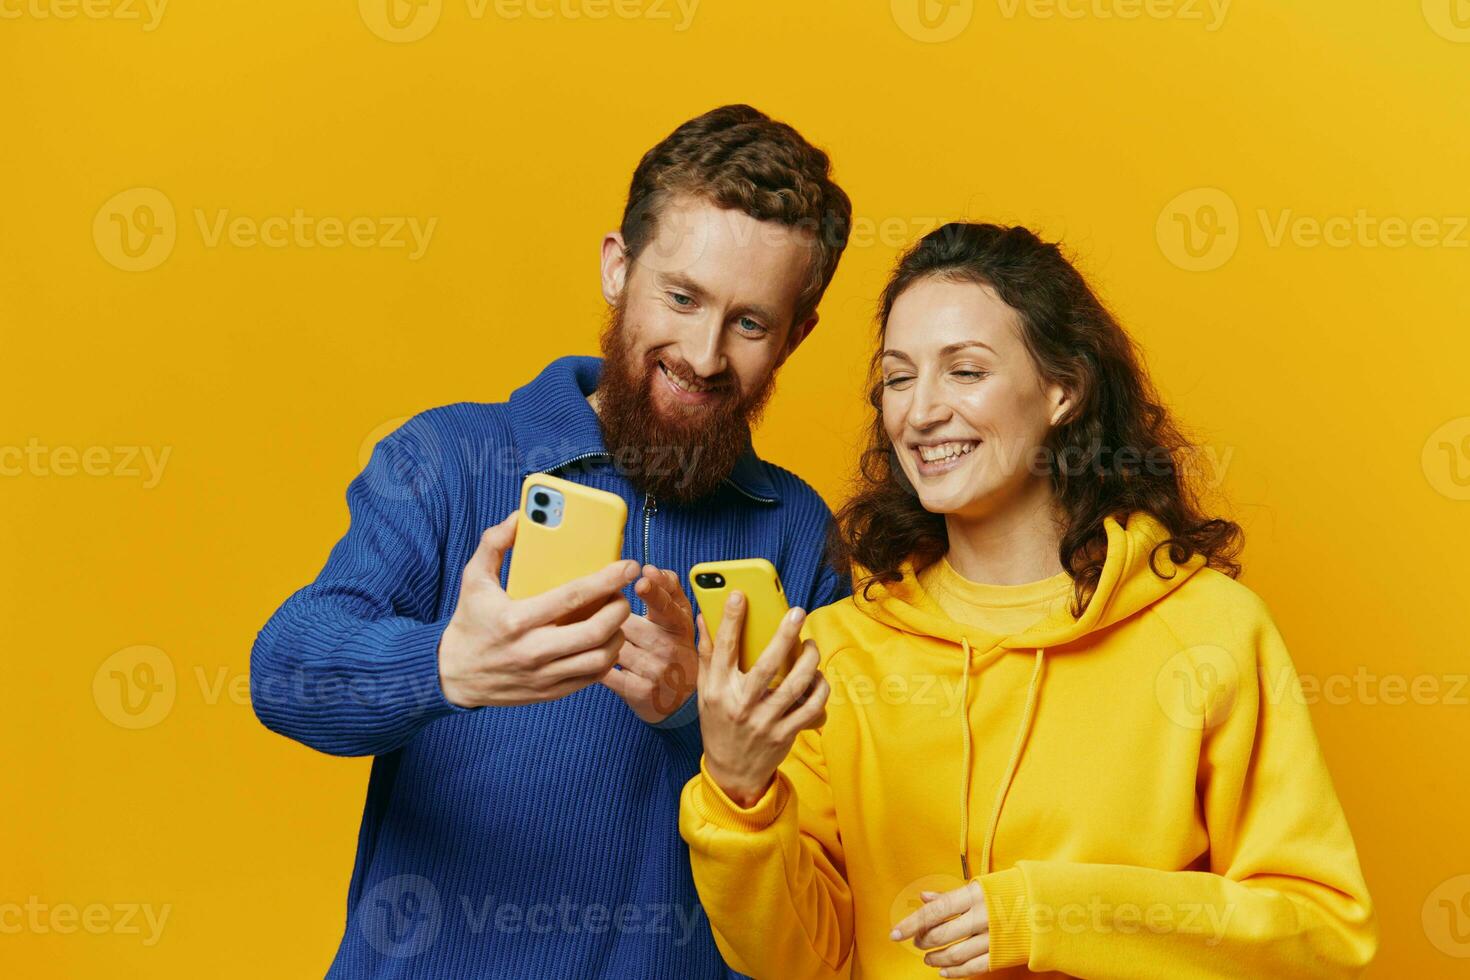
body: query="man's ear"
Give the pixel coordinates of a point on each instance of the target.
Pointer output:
(799, 332)
(614, 267)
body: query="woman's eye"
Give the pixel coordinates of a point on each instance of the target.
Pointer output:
(894, 380)
(971, 375)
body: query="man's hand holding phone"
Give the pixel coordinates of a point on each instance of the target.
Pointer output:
(503, 651)
(748, 727)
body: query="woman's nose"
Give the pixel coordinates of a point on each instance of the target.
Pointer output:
(927, 409)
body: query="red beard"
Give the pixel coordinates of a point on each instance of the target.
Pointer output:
(681, 457)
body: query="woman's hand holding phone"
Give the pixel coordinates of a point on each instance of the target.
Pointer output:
(504, 651)
(747, 726)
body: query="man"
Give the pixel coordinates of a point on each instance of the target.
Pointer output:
(522, 813)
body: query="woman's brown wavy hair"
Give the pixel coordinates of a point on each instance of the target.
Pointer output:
(1075, 342)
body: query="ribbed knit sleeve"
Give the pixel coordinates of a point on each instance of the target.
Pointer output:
(349, 665)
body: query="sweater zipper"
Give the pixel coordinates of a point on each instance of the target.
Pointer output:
(650, 507)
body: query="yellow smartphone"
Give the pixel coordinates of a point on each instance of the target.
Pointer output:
(565, 531)
(765, 602)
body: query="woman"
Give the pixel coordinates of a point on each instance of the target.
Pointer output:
(1050, 732)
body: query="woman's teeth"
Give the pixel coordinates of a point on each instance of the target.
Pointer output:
(944, 451)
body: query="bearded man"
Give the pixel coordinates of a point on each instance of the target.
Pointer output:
(521, 818)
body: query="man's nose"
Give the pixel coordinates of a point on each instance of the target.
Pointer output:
(704, 350)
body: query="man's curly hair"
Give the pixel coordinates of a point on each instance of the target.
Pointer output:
(738, 158)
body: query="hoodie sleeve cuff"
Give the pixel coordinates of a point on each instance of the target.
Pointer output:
(1009, 908)
(715, 807)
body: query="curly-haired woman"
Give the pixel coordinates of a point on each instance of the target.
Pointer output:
(1050, 733)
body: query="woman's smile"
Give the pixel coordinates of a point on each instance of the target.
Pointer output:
(938, 458)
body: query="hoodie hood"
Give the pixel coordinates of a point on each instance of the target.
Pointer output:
(1132, 579)
(1128, 584)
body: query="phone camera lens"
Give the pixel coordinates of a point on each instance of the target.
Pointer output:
(540, 499)
(539, 516)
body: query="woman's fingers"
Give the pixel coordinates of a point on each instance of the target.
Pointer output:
(970, 958)
(726, 656)
(943, 907)
(968, 923)
(790, 707)
(797, 683)
(777, 652)
(811, 713)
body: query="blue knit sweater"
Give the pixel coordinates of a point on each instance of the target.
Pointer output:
(509, 842)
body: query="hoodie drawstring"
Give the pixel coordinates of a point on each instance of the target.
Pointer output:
(1010, 773)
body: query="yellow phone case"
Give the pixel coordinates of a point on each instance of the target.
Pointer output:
(589, 537)
(765, 603)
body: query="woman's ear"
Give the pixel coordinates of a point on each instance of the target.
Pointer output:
(614, 267)
(1061, 401)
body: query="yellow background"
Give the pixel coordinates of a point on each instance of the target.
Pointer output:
(1323, 374)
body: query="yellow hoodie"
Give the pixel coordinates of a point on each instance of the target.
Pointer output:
(1144, 783)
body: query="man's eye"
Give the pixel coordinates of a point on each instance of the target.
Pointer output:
(679, 299)
(750, 326)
